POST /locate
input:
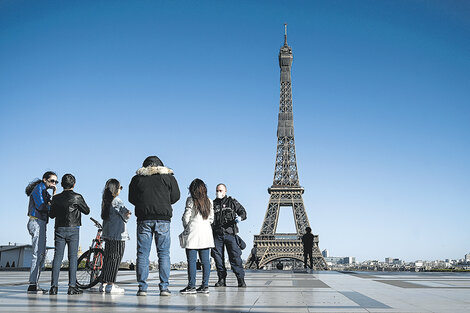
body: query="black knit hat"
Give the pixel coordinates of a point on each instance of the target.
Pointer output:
(152, 161)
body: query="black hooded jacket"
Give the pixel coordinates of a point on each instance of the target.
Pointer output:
(153, 190)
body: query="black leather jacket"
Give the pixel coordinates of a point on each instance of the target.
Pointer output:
(67, 208)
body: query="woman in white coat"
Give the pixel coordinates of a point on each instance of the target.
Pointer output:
(197, 219)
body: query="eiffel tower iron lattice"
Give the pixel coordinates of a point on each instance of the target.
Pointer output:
(286, 190)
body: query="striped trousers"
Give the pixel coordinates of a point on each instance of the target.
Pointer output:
(113, 252)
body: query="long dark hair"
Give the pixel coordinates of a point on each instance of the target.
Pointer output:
(109, 193)
(29, 189)
(198, 190)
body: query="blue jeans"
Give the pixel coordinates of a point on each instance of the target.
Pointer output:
(62, 236)
(146, 230)
(37, 229)
(191, 254)
(228, 241)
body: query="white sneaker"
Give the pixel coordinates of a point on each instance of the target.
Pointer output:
(101, 288)
(114, 289)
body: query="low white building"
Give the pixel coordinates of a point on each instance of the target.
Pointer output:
(467, 257)
(16, 256)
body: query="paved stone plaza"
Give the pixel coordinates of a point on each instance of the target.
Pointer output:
(267, 291)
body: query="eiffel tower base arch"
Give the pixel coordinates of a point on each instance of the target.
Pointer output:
(273, 247)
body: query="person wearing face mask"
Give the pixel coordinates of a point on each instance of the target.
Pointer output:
(227, 210)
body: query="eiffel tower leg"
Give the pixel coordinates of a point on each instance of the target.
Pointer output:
(272, 215)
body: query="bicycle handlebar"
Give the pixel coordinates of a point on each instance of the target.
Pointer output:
(97, 224)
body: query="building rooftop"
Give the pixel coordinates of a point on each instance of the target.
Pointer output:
(18, 246)
(267, 291)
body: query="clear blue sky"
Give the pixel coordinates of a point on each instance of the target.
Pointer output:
(381, 111)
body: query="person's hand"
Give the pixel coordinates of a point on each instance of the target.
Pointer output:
(54, 190)
(129, 213)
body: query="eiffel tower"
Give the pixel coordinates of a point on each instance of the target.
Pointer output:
(286, 190)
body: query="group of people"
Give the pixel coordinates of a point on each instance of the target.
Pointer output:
(210, 226)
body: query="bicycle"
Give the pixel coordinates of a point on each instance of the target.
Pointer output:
(90, 263)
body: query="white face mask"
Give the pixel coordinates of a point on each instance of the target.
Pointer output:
(219, 195)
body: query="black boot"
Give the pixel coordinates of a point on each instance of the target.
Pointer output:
(220, 283)
(241, 282)
(74, 291)
(36, 289)
(53, 290)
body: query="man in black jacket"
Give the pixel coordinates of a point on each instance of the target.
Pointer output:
(307, 241)
(67, 208)
(153, 190)
(225, 229)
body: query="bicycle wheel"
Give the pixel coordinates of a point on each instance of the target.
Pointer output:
(89, 267)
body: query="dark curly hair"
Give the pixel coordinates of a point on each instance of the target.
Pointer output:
(29, 189)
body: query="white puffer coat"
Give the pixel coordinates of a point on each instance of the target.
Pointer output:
(200, 230)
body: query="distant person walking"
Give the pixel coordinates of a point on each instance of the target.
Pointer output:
(226, 211)
(153, 190)
(38, 212)
(254, 257)
(307, 241)
(115, 216)
(67, 208)
(197, 219)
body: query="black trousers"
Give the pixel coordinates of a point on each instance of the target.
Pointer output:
(308, 253)
(253, 260)
(113, 252)
(228, 241)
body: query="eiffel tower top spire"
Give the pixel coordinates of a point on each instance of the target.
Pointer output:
(285, 34)
(285, 173)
